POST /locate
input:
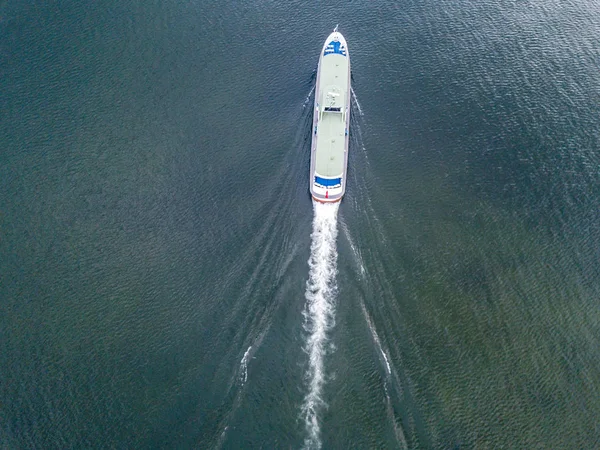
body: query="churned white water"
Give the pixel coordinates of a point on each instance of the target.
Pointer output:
(355, 98)
(244, 366)
(319, 313)
(308, 97)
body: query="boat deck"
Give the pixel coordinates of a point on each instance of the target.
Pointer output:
(331, 145)
(331, 131)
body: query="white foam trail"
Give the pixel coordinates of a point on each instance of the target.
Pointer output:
(357, 256)
(244, 366)
(376, 339)
(397, 427)
(387, 363)
(308, 97)
(360, 111)
(250, 352)
(319, 313)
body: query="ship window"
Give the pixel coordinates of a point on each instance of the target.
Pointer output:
(333, 109)
(328, 182)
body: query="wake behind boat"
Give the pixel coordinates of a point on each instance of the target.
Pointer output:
(329, 152)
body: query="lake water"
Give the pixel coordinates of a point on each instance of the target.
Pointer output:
(155, 227)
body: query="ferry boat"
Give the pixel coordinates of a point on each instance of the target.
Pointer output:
(329, 150)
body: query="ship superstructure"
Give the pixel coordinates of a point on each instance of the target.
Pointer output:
(329, 154)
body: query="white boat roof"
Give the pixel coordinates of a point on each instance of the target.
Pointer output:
(333, 102)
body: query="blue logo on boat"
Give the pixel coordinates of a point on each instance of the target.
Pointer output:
(335, 47)
(328, 182)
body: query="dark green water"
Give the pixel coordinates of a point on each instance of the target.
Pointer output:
(155, 225)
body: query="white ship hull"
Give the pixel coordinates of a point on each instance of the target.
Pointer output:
(329, 151)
